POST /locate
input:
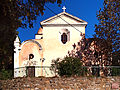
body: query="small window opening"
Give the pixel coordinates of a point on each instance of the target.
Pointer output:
(64, 38)
(31, 56)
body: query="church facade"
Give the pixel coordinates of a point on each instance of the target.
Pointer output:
(54, 39)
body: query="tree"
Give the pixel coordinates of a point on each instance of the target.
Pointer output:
(108, 27)
(14, 14)
(93, 52)
(69, 66)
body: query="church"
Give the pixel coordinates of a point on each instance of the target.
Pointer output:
(53, 40)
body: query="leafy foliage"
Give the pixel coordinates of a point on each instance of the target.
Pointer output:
(14, 14)
(91, 51)
(115, 71)
(109, 27)
(23, 10)
(69, 66)
(5, 74)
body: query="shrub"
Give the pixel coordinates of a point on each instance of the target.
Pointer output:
(5, 74)
(116, 71)
(69, 66)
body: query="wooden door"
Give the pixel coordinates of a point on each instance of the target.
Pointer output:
(31, 71)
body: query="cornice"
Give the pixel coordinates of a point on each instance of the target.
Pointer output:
(57, 25)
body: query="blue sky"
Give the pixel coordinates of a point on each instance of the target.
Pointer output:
(83, 9)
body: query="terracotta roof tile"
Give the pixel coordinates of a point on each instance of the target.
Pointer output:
(40, 31)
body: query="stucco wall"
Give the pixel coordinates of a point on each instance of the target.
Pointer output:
(29, 48)
(54, 48)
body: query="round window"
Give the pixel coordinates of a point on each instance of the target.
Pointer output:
(31, 56)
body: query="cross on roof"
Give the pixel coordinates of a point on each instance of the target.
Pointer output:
(64, 8)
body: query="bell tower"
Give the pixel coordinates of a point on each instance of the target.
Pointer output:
(16, 53)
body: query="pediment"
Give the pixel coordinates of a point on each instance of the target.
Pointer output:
(63, 18)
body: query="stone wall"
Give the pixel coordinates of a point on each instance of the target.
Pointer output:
(62, 83)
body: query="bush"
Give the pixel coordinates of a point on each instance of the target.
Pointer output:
(5, 74)
(69, 66)
(116, 71)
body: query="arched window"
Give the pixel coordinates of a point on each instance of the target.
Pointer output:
(64, 38)
(64, 35)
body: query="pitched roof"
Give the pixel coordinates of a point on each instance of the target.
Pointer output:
(63, 19)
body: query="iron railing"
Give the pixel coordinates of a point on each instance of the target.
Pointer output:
(85, 70)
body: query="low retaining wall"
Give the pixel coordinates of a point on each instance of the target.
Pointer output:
(61, 83)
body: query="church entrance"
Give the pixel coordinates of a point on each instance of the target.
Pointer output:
(30, 71)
